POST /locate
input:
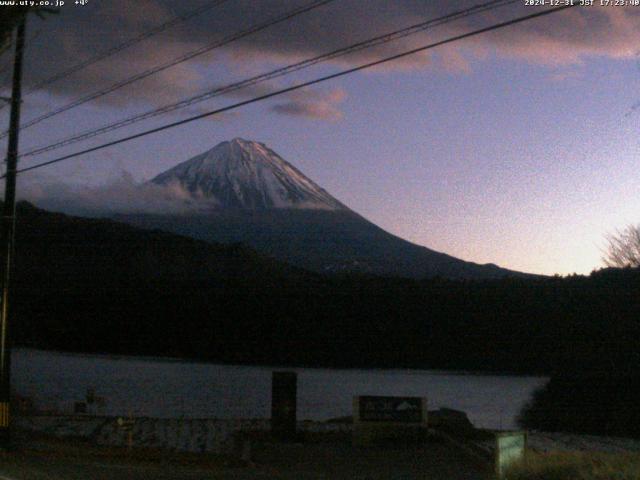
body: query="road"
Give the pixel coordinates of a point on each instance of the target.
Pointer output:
(320, 460)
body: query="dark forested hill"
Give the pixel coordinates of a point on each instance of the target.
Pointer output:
(100, 286)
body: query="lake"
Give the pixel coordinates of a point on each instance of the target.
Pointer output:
(167, 388)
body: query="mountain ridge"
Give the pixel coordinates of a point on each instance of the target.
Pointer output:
(251, 195)
(321, 241)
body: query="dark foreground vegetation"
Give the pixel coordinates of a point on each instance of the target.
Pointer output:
(590, 403)
(100, 286)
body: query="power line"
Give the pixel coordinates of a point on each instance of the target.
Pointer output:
(118, 48)
(372, 42)
(181, 59)
(301, 85)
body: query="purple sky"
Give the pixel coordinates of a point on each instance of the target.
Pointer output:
(515, 147)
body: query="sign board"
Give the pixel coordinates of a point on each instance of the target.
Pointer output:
(125, 424)
(510, 449)
(391, 409)
(382, 419)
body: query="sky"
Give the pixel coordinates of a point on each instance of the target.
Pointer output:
(517, 147)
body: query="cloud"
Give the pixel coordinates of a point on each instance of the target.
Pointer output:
(78, 34)
(571, 36)
(561, 39)
(318, 105)
(121, 195)
(308, 102)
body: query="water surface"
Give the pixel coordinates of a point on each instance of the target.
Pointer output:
(173, 388)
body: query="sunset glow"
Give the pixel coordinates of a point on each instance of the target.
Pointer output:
(517, 147)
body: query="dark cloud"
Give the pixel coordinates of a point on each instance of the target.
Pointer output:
(317, 105)
(77, 33)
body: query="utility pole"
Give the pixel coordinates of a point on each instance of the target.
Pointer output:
(8, 237)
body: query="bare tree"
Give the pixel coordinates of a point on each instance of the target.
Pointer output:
(623, 248)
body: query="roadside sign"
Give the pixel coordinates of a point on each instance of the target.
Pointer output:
(510, 449)
(125, 424)
(380, 419)
(391, 409)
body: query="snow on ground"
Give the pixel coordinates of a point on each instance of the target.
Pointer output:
(550, 442)
(566, 442)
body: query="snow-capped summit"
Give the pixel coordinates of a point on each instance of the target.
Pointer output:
(244, 192)
(243, 174)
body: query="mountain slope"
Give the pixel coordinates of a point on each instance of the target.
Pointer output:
(89, 285)
(62, 250)
(322, 241)
(247, 193)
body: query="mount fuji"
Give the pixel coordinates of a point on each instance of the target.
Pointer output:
(247, 193)
(247, 175)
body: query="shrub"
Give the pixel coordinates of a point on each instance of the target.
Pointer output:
(598, 404)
